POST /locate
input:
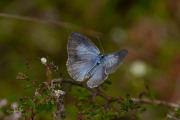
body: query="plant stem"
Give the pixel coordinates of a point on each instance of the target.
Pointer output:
(90, 32)
(111, 99)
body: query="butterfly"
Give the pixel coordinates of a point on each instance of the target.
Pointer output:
(86, 61)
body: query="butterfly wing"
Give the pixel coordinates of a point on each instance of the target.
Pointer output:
(109, 65)
(80, 48)
(113, 60)
(78, 70)
(99, 76)
(82, 54)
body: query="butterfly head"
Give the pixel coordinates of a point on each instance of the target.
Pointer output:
(101, 58)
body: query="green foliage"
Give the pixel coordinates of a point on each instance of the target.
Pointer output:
(89, 109)
(174, 115)
(88, 105)
(178, 113)
(37, 104)
(127, 105)
(42, 100)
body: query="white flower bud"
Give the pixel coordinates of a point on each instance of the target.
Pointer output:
(43, 61)
(58, 93)
(14, 105)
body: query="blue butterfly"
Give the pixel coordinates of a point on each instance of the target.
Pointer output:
(86, 61)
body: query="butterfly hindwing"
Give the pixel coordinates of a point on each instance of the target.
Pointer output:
(78, 70)
(113, 60)
(109, 65)
(98, 77)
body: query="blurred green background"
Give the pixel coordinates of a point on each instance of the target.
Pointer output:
(150, 30)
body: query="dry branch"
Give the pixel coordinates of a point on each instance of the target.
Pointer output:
(53, 22)
(111, 99)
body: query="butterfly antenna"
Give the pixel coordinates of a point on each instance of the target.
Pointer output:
(100, 44)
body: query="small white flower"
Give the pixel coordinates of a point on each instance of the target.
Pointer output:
(3, 103)
(58, 93)
(62, 92)
(36, 93)
(43, 61)
(14, 105)
(138, 68)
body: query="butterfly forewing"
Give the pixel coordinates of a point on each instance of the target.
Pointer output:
(80, 48)
(113, 60)
(82, 54)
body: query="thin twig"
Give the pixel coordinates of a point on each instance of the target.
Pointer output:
(53, 22)
(111, 99)
(103, 95)
(60, 114)
(158, 102)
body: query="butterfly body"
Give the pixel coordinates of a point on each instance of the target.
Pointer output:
(98, 62)
(101, 59)
(86, 61)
